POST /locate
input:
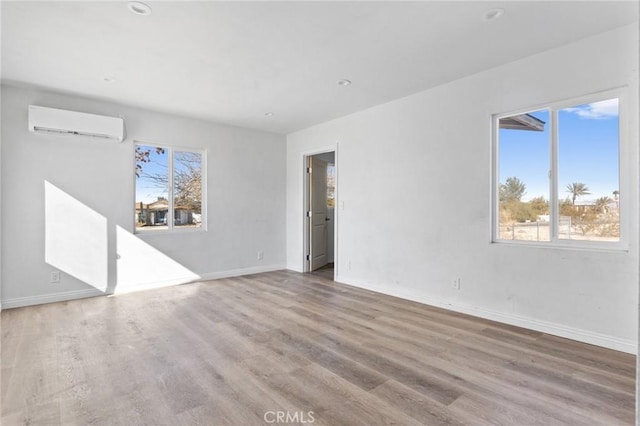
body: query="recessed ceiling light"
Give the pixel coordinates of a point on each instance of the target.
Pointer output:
(139, 8)
(268, 114)
(344, 82)
(492, 14)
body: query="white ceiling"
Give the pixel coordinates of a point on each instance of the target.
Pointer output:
(232, 62)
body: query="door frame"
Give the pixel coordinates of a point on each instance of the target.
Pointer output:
(306, 249)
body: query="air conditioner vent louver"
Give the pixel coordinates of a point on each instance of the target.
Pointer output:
(51, 120)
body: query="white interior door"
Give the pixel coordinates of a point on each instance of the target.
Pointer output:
(318, 201)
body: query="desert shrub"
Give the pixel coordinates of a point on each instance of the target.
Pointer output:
(517, 211)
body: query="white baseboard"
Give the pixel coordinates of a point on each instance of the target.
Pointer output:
(50, 298)
(79, 294)
(295, 268)
(240, 272)
(580, 335)
(152, 285)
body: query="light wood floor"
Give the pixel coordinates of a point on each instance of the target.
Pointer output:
(226, 352)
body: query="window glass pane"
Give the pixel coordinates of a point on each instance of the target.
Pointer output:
(523, 177)
(331, 185)
(152, 188)
(187, 189)
(588, 172)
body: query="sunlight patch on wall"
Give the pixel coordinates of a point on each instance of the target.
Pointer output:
(76, 238)
(141, 266)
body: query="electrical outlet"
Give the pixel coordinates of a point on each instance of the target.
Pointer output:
(55, 277)
(455, 283)
(260, 255)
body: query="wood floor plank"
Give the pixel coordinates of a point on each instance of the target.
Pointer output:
(226, 352)
(416, 404)
(484, 378)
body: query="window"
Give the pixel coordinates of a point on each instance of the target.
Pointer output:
(331, 185)
(557, 174)
(169, 190)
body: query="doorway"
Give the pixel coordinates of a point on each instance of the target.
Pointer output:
(320, 214)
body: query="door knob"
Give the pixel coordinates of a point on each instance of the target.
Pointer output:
(327, 219)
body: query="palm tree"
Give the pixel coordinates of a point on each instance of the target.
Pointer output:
(577, 189)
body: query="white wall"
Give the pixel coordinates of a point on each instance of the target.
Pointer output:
(414, 178)
(93, 180)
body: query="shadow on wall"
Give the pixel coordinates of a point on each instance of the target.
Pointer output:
(77, 243)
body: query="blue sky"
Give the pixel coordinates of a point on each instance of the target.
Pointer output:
(587, 151)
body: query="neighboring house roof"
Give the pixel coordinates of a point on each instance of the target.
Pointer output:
(160, 205)
(522, 122)
(155, 206)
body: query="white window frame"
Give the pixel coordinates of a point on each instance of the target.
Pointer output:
(171, 228)
(624, 169)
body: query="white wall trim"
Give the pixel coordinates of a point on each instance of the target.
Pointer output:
(241, 272)
(203, 277)
(51, 298)
(152, 285)
(572, 333)
(92, 292)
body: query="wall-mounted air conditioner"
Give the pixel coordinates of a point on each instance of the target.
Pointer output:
(42, 119)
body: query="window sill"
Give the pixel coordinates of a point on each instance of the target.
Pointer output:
(173, 231)
(618, 247)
